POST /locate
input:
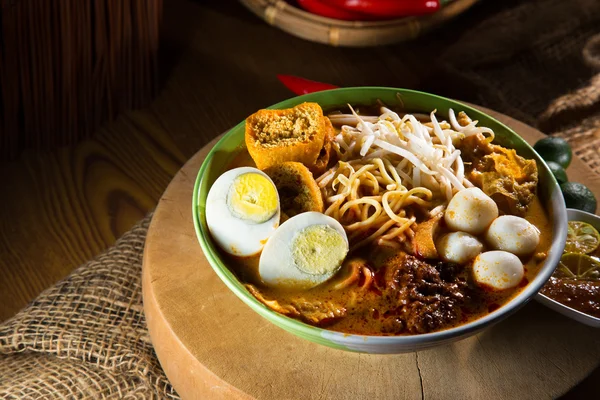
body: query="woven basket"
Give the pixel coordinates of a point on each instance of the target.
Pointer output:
(350, 33)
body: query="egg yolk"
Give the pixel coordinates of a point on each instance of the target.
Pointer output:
(252, 197)
(318, 249)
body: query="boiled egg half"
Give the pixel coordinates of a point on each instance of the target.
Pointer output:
(498, 270)
(470, 210)
(242, 211)
(305, 251)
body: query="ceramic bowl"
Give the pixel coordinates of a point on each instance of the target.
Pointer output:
(594, 220)
(233, 142)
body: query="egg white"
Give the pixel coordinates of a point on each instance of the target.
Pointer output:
(235, 235)
(277, 267)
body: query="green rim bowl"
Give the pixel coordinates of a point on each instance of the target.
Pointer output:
(413, 101)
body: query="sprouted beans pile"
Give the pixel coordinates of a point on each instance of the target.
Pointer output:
(388, 163)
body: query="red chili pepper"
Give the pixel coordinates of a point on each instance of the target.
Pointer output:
(318, 7)
(303, 86)
(388, 8)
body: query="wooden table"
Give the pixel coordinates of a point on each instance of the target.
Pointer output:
(61, 208)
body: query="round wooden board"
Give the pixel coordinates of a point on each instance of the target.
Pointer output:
(211, 345)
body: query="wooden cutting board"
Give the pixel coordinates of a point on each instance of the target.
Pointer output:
(213, 346)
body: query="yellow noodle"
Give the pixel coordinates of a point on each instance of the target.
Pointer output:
(388, 210)
(354, 195)
(333, 209)
(366, 222)
(365, 213)
(356, 175)
(373, 182)
(354, 188)
(388, 243)
(374, 235)
(393, 171)
(384, 174)
(369, 196)
(395, 232)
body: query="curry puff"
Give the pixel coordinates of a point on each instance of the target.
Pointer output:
(298, 191)
(295, 134)
(325, 155)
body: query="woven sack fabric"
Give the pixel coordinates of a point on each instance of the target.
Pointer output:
(86, 337)
(576, 116)
(521, 59)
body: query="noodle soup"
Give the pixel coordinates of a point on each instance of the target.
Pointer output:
(390, 182)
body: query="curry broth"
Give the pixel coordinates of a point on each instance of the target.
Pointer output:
(363, 306)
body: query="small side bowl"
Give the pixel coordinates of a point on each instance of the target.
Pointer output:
(594, 220)
(233, 142)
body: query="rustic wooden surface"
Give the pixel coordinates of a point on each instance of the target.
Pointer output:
(211, 345)
(63, 207)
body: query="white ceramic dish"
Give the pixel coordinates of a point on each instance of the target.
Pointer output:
(594, 220)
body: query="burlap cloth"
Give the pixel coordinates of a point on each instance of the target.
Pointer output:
(86, 337)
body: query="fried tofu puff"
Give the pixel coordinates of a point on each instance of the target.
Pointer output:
(298, 191)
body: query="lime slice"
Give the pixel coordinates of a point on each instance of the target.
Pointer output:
(581, 238)
(578, 266)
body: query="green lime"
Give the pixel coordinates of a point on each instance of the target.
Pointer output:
(554, 149)
(578, 266)
(558, 171)
(581, 238)
(578, 196)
